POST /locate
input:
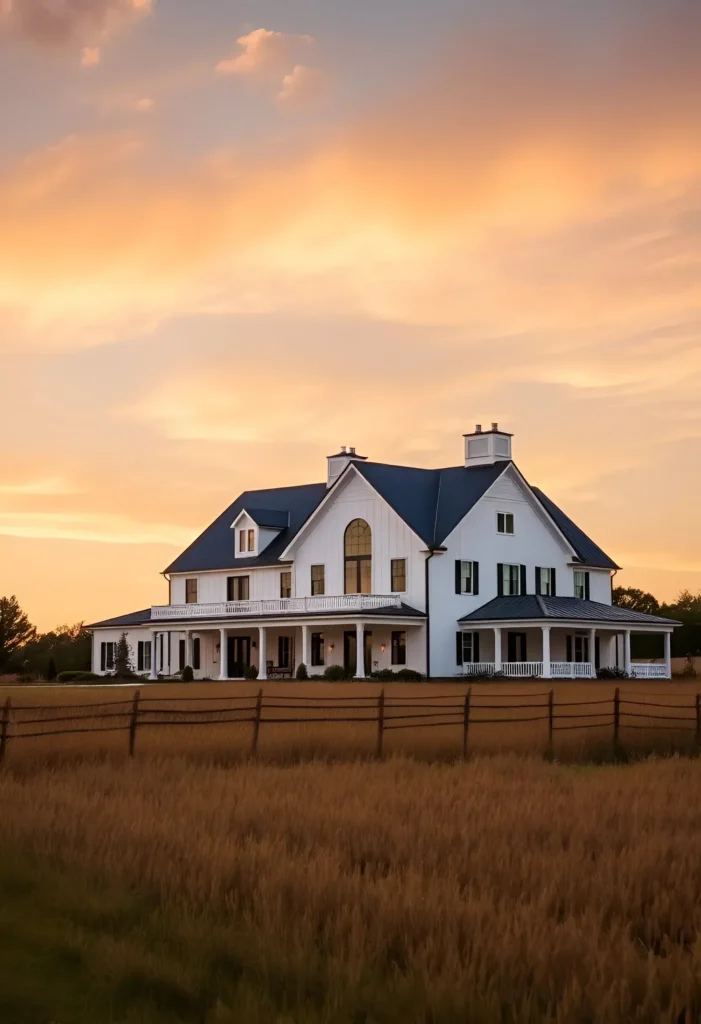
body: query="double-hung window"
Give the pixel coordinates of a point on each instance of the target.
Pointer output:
(399, 647)
(510, 580)
(243, 537)
(107, 656)
(286, 584)
(545, 582)
(143, 656)
(466, 577)
(505, 522)
(317, 649)
(318, 583)
(581, 584)
(191, 591)
(284, 651)
(237, 588)
(251, 540)
(398, 575)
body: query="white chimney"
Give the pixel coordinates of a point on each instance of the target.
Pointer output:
(338, 462)
(485, 447)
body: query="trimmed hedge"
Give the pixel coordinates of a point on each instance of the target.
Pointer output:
(76, 676)
(402, 675)
(337, 674)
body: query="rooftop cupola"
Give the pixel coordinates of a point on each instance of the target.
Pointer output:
(485, 447)
(338, 462)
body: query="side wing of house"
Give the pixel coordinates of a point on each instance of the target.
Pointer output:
(507, 536)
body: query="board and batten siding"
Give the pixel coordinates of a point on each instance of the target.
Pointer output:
(264, 583)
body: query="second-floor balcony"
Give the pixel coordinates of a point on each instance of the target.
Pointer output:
(277, 606)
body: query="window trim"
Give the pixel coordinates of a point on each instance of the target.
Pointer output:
(356, 560)
(551, 581)
(314, 583)
(404, 574)
(473, 577)
(508, 517)
(288, 573)
(242, 541)
(586, 585)
(510, 592)
(232, 587)
(251, 540)
(191, 580)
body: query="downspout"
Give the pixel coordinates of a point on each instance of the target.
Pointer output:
(430, 555)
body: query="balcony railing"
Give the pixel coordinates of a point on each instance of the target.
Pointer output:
(278, 606)
(572, 670)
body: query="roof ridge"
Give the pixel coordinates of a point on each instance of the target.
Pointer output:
(541, 604)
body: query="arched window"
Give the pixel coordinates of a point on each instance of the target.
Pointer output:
(357, 548)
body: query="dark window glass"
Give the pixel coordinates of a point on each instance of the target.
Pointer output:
(466, 577)
(580, 584)
(284, 648)
(317, 648)
(398, 575)
(512, 580)
(285, 584)
(358, 557)
(581, 649)
(237, 588)
(318, 583)
(191, 591)
(251, 540)
(399, 647)
(147, 655)
(242, 540)
(196, 652)
(109, 655)
(505, 522)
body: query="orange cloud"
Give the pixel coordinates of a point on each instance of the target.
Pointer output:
(264, 53)
(302, 85)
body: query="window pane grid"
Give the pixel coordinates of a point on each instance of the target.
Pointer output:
(318, 580)
(398, 575)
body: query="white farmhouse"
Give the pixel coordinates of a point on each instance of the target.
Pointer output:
(445, 571)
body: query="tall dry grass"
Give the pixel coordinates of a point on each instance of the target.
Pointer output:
(505, 889)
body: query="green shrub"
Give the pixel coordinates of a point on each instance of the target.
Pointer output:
(408, 675)
(251, 672)
(301, 673)
(384, 673)
(611, 673)
(188, 674)
(337, 674)
(75, 676)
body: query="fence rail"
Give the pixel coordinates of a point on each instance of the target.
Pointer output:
(383, 712)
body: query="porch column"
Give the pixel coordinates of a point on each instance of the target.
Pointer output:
(223, 654)
(359, 651)
(626, 648)
(497, 648)
(188, 648)
(305, 645)
(547, 671)
(668, 655)
(592, 652)
(153, 674)
(262, 653)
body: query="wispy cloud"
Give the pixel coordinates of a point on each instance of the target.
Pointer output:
(80, 23)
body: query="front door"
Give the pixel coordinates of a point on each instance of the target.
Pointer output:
(517, 650)
(349, 651)
(238, 655)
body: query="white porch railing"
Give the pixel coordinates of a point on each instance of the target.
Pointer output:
(279, 606)
(478, 668)
(572, 670)
(522, 668)
(649, 671)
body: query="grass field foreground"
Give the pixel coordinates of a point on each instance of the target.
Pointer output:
(505, 889)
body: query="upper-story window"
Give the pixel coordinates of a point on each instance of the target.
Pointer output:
(286, 584)
(237, 588)
(247, 540)
(505, 522)
(581, 584)
(318, 581)
(398, 572)
(357, 546)
(545, 582)
(510, 580)
(466, 577)
(191, 591)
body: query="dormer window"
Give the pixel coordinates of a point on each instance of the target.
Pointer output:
(247, 541)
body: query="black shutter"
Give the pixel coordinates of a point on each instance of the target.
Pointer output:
(475, 577)
(569, 649)
(537, 579)
(103, 656)
(500, 579)
(553, 587)
(524, 580)
(511, 647)
(586, 586)
(458, 577)
(196, 652)
(230, 588)
(140, 656)
(181, 654)
(458, 648)
(475, 647)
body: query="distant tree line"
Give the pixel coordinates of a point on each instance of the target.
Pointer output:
(686, 639)
(31, 654)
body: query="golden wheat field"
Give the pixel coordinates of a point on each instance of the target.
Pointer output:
(215, 719)
(504, 889)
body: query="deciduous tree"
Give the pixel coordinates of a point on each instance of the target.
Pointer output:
(15, 629)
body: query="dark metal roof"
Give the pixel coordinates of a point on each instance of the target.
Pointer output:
(214, 548)
(530, 606)
(143, 618)
(130, 619)
(269, 518)
(589, 552)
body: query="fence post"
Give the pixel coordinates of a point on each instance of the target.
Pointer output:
(616, 717)
(466, 721)
(256, 721)
(698, 720)
(380, 720)
(551, 717)
(4, 728)
(133, 722)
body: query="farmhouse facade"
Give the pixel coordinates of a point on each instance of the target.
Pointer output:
(449, 572)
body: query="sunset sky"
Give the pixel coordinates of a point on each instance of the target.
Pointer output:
(236, 235)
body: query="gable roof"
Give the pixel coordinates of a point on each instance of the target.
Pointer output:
(531, 606)
(268, 518)
(130, 619)
(589, 552)
(214, 548)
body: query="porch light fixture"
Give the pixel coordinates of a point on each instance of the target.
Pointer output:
(331, 646)
(382, 648)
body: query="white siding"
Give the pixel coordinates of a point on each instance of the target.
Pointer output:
(211, 586)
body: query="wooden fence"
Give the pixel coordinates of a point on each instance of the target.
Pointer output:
(383, 713)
